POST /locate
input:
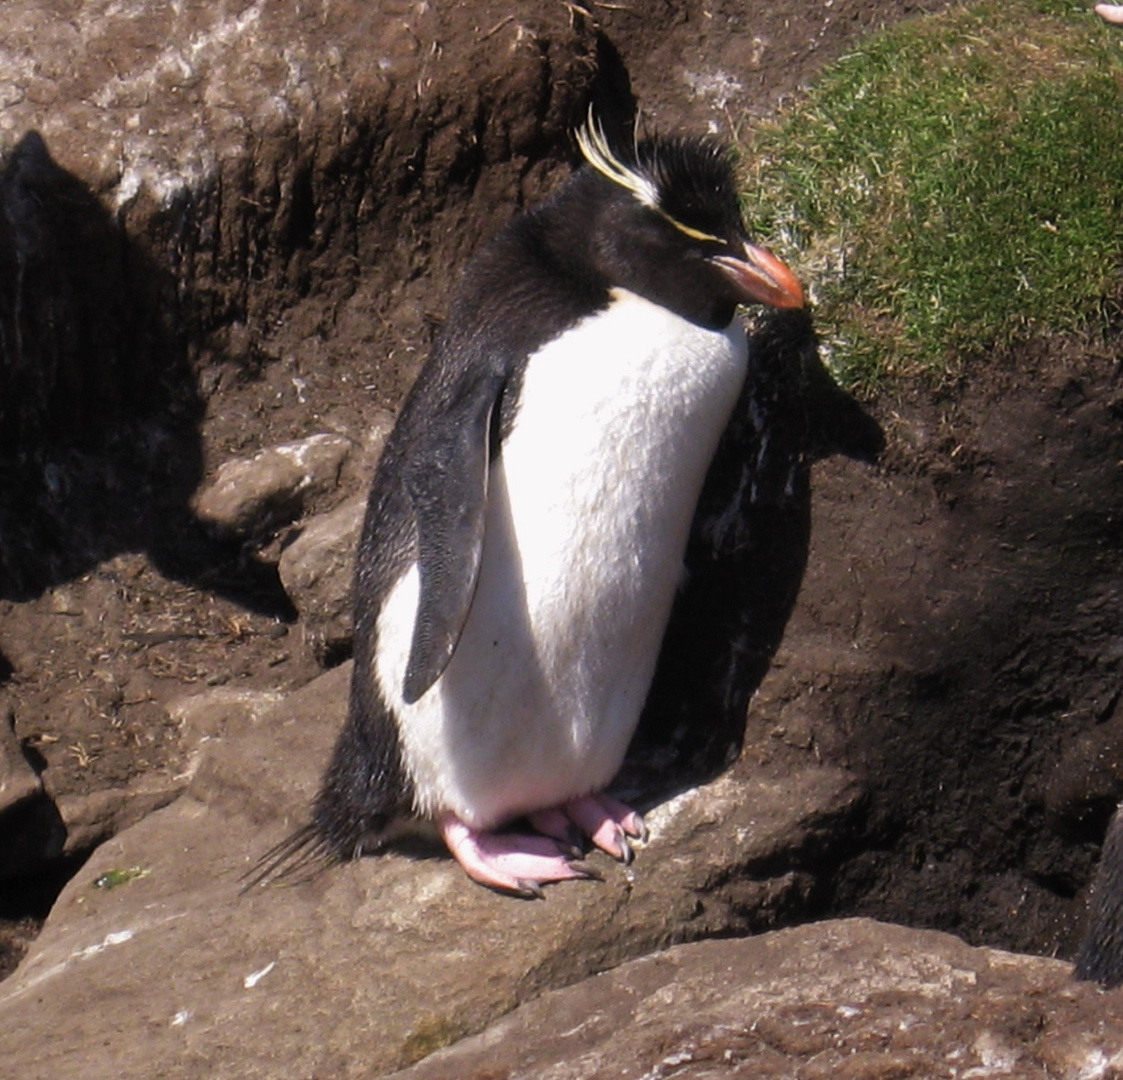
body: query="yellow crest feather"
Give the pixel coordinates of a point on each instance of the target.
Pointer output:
(595, 149)
(597, 152)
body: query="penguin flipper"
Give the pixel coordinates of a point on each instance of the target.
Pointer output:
(448, 489)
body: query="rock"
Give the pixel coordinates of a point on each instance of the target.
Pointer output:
(220, 724)
(371, 965)
(317, 567)
(854, 999)
(264, 764)
(316, 571)
(31, 831)
(251, 496)
(379, 424)
(92, 818)
(18, 780)
(204, 717)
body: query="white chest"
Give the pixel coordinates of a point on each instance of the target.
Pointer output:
(589, 509)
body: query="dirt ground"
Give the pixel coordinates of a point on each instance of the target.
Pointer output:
(124, 603)
(994, 745)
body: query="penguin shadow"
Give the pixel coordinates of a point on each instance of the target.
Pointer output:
(745, 560)
(100, 409)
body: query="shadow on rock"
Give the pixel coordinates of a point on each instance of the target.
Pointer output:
(99, 407)
(747, 554)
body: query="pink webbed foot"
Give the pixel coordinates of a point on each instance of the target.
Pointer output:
(509, 862)
(604, 820)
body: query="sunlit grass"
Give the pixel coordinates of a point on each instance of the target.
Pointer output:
(954, 185)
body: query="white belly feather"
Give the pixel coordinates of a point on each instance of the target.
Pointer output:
(589, 510)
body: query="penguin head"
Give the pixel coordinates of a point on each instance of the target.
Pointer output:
(664, 221)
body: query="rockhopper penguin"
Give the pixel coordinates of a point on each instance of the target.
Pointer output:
(528, 518)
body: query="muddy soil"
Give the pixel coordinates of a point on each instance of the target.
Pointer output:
(991, 731)
(986, 824)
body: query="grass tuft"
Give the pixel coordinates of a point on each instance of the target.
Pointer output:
(954, 185)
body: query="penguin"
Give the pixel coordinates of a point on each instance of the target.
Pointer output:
(527, 521)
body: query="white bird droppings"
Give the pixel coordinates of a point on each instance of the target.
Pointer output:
(251, 980)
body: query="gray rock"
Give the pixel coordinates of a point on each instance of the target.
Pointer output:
(854, 999)
(18, 780)
(204, 717)
(92, 818)
(316, 571)
(374, 964)
(250, 496)
(379, 423)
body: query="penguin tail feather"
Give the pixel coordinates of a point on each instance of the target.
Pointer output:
(300, 857)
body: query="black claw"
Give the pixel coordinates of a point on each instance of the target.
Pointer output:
(530, 890)
(587, 871)
(626, 853)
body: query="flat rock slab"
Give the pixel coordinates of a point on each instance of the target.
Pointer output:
(153, 964)
(854, 999)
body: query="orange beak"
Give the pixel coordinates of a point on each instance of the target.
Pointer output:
(760, 278)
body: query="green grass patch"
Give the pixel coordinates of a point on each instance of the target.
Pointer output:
(954, 185)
